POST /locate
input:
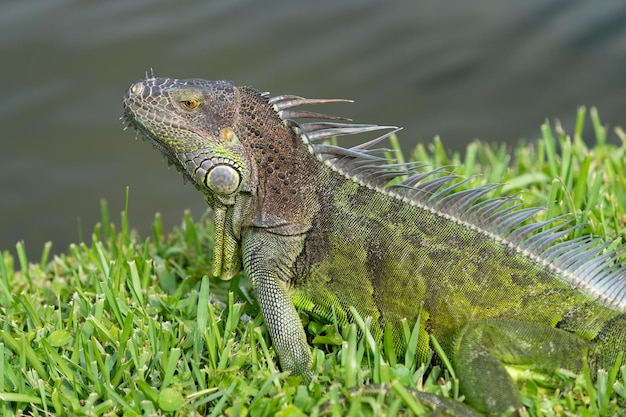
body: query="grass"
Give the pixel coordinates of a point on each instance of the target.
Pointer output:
(133, 326)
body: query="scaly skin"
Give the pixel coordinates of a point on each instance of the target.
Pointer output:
(319, 228)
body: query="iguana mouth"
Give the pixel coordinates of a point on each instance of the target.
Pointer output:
(134, 111)
(142, 133)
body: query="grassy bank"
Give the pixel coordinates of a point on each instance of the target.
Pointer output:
(132, 325)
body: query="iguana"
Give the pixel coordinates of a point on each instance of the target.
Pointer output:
(323, 228)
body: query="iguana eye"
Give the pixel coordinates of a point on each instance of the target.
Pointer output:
(223, 179)
(191, 104)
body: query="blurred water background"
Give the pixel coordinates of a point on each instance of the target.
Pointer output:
(455, 68)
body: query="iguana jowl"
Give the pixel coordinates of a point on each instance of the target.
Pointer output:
(322, 228)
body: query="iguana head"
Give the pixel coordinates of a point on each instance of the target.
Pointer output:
(191, 122)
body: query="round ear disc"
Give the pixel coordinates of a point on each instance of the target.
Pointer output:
(223, 179)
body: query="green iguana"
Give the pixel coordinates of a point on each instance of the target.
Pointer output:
(323, 228)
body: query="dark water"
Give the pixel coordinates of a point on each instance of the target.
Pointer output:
(460, 69)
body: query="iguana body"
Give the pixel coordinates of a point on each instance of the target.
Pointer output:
(324, 228)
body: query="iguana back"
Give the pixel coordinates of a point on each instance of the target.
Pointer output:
(384, 256)
(325, 228)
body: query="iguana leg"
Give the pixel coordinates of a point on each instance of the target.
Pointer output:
(266, 258)
(483, 348)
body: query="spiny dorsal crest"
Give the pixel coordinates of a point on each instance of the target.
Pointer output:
(584, 262)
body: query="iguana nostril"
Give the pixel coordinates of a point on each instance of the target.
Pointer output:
(137, 88)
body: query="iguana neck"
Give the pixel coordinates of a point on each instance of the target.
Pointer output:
(287, 173)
